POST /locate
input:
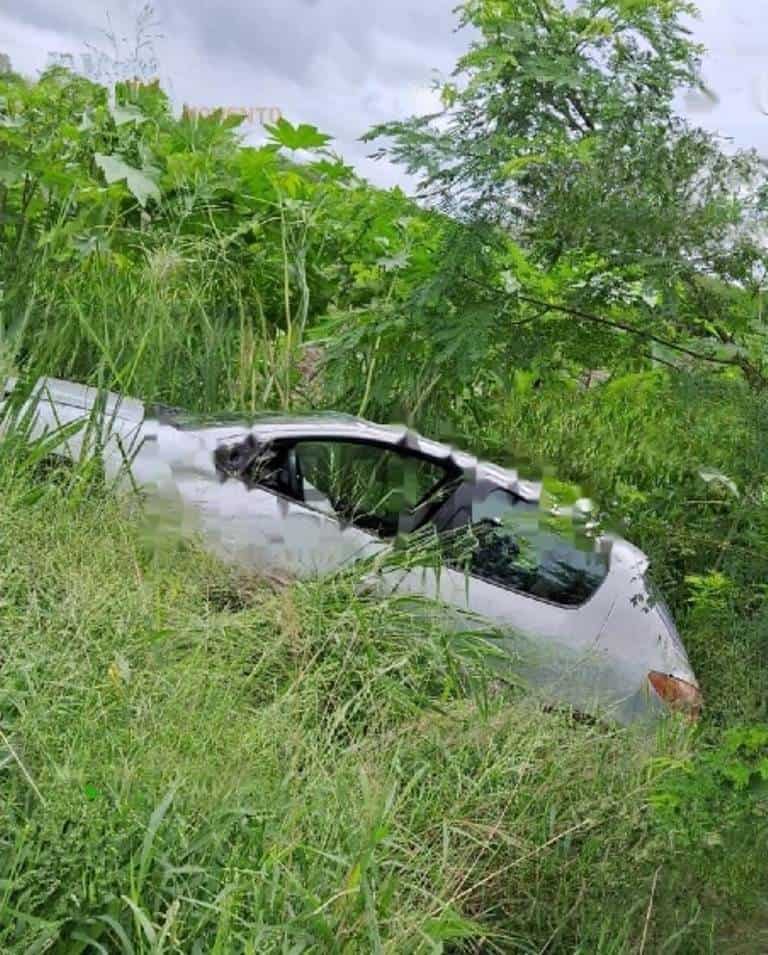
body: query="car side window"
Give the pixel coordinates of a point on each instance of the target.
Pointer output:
(512, 543)
(372, 487)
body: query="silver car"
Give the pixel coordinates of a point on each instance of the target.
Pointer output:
(306, 496)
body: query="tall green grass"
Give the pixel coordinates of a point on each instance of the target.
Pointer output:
(186, 319)
(176, 330)
(196, 762)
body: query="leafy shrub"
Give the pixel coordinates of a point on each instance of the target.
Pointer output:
(719, 792)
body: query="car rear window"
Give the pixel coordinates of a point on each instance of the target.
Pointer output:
(515, 544)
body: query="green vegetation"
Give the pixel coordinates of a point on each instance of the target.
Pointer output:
(196, 762)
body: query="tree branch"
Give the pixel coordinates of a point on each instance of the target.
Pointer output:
(623, 327)
(608, 323)
(531, 318)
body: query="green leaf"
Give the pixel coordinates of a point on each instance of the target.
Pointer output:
(141, 182)
(737, 773)
(155, 821)
(292, 137)
(119, 931)
(451, 926)
(142, 920)
(520, 164)
(333, 170)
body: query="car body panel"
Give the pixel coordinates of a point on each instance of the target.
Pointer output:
(596, 656)
(570, 654)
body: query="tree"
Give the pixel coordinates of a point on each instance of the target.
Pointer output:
(559, 131)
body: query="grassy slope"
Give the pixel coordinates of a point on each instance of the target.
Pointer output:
(195, 765)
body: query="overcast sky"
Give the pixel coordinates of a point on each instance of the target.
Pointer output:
(344, 65)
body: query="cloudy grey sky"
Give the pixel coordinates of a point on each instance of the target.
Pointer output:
(344, 65)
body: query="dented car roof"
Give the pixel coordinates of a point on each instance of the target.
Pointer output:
(271, 426)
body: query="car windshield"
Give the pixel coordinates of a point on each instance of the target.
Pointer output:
(517, 545)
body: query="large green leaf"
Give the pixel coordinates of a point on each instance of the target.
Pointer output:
(303, 136)
(140, 182)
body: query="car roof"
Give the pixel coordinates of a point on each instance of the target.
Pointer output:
(328, 425)
(81, 397)
(331, 426)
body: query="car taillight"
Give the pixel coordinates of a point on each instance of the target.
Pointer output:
(679, 695)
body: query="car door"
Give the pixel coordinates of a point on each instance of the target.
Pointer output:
(544, 608)
(351, 496)
(234, 492)
(302, 507)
